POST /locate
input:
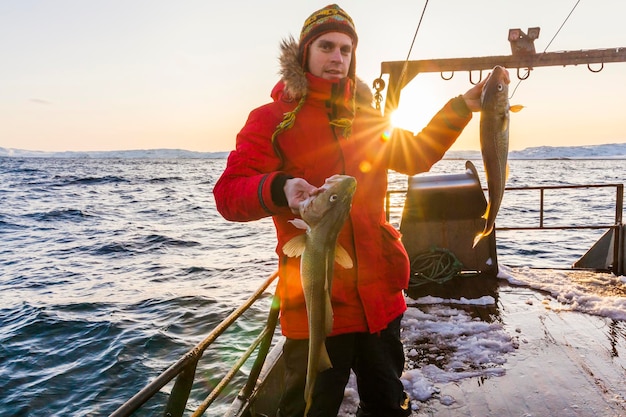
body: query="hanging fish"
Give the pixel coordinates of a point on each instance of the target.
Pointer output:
(494, 142)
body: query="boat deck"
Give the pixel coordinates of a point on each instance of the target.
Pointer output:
(566, 363)
(563, 363)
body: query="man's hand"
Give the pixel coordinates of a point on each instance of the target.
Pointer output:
(472, 96)
(297, 190)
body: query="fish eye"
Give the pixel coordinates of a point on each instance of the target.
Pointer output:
(333, 198)
(500, 87)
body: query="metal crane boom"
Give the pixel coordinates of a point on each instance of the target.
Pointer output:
(519, 59)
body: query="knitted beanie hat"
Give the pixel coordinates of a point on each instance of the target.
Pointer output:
(331, 18)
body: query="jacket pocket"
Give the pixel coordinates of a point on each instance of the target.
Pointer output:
(395, 258)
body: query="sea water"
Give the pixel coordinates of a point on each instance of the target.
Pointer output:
(110, 270)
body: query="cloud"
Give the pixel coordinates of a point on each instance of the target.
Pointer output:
(41, 101)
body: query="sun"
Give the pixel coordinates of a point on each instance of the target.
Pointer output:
(417, 106)
(411, 116)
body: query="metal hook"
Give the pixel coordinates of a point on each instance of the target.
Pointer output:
(479, 78)
(519, 77)
(449, 78)
(598, 70)
(379, 84)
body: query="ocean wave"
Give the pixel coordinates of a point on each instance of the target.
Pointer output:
(164, 179)
(7, 226)
(108, 179)
(140, 244)
(66, 214)
(152, 241)
(110, 249)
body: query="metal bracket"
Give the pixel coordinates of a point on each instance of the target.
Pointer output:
(521, 43)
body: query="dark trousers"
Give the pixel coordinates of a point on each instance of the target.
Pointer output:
(377, 361)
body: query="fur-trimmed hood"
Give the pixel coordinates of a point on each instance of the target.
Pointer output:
(294, 84)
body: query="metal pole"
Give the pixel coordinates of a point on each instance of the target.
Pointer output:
(272, 320)
(541, 193)
(618, 239)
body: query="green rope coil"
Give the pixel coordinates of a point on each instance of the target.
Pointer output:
(435, 265)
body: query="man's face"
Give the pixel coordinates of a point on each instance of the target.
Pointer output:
(330, 55)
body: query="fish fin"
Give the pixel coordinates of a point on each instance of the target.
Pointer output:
(485, 215)
(515, 108)
(295, 246)
(329, 315)
(300, 224)
(342, 257)
(477, 239)
(324, 362)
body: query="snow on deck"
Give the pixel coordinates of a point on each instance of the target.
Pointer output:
(530, 343)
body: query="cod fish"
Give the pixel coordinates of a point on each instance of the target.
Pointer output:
(494, 142)
(323, 216)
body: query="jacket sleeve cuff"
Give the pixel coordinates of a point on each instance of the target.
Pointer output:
(266, 190)
(460, 107)
(277, 189)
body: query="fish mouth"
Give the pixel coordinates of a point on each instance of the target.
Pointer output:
(304, 205)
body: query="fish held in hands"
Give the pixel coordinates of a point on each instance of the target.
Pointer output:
(323, 216)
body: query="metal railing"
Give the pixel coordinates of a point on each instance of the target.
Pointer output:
(616, 227)
(185, 368)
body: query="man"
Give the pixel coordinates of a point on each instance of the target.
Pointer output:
(321, 122)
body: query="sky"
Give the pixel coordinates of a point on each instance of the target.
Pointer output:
(143, 74)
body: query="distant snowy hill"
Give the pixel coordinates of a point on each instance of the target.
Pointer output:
(607, 151)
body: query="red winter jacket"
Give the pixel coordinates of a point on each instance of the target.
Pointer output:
(369, 295)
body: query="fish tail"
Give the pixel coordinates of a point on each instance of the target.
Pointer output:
(309, 400)
(311, 376)
(486, 232)
(478, 238)
(308, 391)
